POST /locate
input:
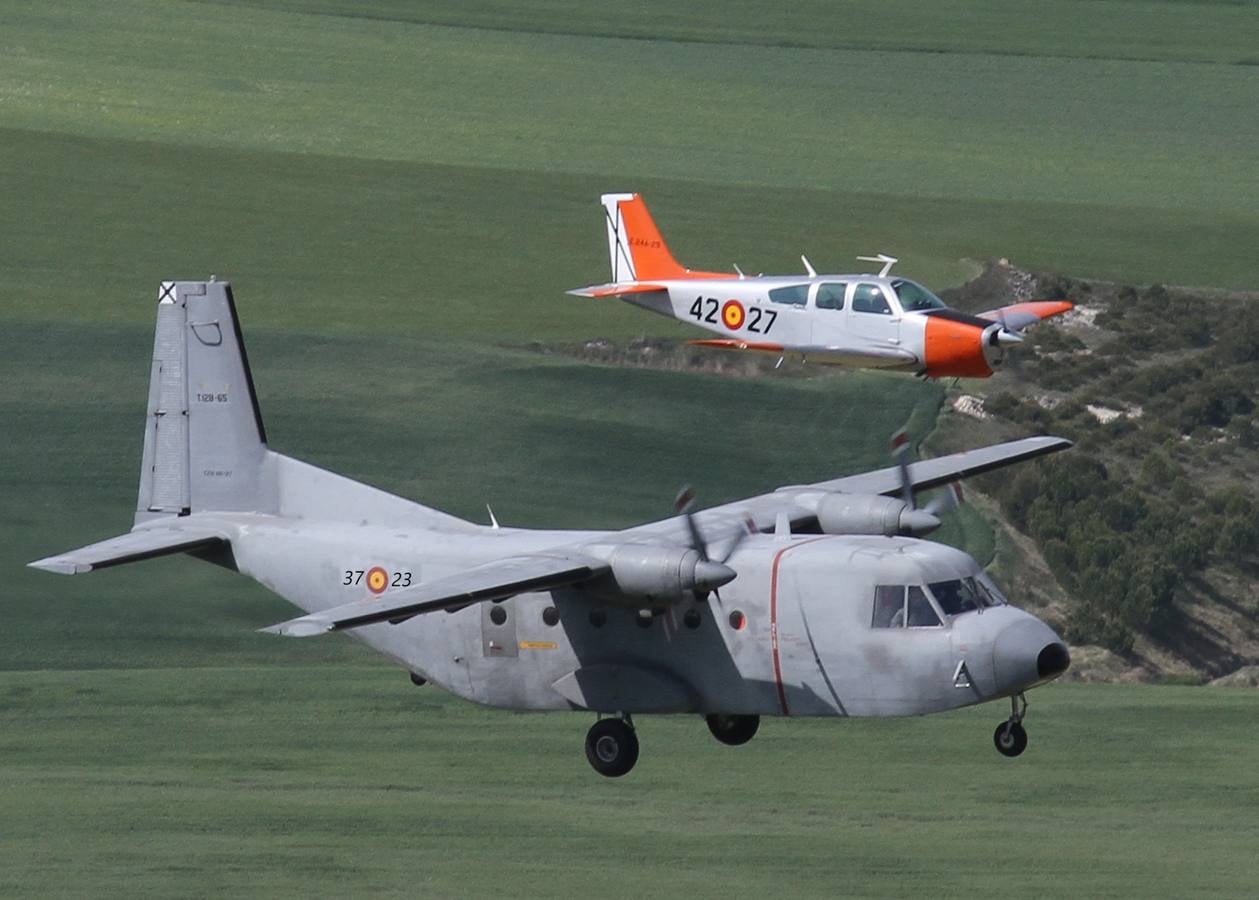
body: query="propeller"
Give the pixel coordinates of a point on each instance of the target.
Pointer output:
(915, 520)
(710, 573)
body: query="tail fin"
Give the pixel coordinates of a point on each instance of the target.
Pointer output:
(204, 441)
(635, 246)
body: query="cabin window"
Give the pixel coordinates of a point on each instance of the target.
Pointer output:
(796, 295)
(914, 297)
(957, 596)
(868, 298)
(831, 296)
(921, 613)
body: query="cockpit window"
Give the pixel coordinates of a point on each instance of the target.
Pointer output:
(796, 295)
(868, 298)
(831, 295)
(921, 613)
(889, 606)
(915, 297)
(957, 596)
(989, 593)
(896, 606)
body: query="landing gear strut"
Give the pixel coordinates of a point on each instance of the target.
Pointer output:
(612, 746)
(1010, 737)
(731, 729)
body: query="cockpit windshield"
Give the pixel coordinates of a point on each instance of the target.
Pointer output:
(961, 595)
(914, 297)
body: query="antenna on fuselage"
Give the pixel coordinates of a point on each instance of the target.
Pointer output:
(737, 269)
(808, 266)
(888, 262)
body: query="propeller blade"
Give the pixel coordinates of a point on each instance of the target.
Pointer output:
(949, 499)
(683, 504)
(900, 450)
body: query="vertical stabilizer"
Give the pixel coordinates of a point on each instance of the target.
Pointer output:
(204, 442)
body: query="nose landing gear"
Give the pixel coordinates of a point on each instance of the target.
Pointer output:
(612, 746)
(1010, 737)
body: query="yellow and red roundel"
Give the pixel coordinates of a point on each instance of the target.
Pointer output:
(732, 314)
(377, 580)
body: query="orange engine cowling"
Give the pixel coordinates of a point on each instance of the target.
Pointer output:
(955, 348)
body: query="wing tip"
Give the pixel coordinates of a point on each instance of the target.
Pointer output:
(59, 565)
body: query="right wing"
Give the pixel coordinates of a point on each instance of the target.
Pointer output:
(498, 580)
(799, 502)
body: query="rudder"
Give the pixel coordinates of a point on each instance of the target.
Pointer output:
(204, 440)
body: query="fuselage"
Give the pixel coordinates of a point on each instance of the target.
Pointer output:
(796, 633)
(870, 321)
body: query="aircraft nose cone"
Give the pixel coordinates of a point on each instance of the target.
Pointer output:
(1027, 652)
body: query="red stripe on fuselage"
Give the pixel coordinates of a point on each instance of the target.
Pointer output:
(773, 623)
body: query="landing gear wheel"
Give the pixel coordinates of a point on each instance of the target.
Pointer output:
(1010, 738)
(612, 747)
(733, 730)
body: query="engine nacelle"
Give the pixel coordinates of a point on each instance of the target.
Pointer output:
(665, 574)
(871, 514)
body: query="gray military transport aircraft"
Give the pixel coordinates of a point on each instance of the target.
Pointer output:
(809, 600)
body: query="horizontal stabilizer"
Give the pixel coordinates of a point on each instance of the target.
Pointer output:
(1019, 316)
(617, 290)
(494, 581)
(144, 543)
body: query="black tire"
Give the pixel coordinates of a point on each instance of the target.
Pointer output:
(1010, 739)
(733, 730)
(611, 747)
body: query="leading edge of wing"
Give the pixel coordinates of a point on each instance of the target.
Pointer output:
(929, 473)
(497, 580)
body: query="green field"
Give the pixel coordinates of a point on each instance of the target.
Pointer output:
(401, 193)
(292, 781)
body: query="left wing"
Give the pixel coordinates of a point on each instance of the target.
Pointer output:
(1019, 316)
(498, 580)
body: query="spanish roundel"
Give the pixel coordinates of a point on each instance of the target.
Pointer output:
(732, 314)
(377, 580)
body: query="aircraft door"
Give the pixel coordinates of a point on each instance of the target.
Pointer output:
(830, 320)
(806, 640)
(873, 317)
(786, 320)
(498, 629)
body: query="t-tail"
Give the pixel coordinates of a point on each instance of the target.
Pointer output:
(206, 470)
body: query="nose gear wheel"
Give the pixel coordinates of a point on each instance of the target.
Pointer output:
(1010, 738)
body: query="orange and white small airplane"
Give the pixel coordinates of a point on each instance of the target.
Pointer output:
(867, 321)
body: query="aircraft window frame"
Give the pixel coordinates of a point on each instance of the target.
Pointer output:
(879, 295)
(933, 302)
(792, 291)
(994, 594)
(843, 294)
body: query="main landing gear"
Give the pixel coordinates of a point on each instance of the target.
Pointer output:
(732, 729)
(1010, 737)
(612, 746)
